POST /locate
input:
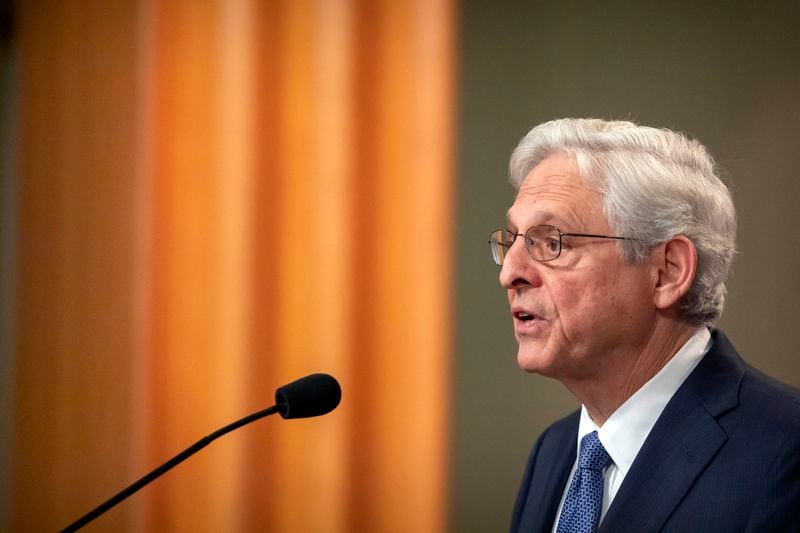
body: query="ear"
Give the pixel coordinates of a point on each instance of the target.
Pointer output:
(676, 260)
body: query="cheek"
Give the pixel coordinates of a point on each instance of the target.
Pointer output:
(566, 295)
(610, 305)
(585, 304)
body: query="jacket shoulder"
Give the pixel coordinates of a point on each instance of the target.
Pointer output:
(545, 474)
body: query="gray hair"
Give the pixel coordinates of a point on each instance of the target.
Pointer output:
(656, 184)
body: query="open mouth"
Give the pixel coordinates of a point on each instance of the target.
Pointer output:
(523, 316)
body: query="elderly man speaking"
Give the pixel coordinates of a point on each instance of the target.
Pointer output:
(615, 256)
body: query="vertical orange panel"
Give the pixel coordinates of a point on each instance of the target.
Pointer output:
(407, 123)
(182, 297)
(259, 501)
(303, 342)
(360, 154)
(314, 257)
(233, 193)
(291, 159)
(334, 237)
(201, 169)
(393, 440)
(74, 334)
(141, 376)
(432, 131)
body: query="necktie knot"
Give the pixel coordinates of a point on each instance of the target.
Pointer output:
(593, 456)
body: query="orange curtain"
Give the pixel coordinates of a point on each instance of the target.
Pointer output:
(218, 197)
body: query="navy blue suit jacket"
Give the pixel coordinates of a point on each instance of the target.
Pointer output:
(724, 456)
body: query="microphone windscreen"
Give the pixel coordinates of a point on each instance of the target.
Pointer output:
(313, 395)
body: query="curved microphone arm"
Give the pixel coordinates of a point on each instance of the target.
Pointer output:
(313, 395)
(185, 454)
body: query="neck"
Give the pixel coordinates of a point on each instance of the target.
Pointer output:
(628, 370)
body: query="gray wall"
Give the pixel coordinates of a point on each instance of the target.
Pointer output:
(728, 74)
(8, 146)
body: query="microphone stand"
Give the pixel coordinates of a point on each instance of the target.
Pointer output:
(194, 448)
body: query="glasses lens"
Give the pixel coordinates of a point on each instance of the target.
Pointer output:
(544, 242)
(500, 241)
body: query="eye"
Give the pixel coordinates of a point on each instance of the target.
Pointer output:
(552, 244)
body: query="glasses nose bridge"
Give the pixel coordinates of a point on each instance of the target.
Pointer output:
(514, 242)
(519, 267)
(512, 264)
(510, 253)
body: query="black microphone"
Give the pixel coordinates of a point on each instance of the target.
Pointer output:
(313, 395)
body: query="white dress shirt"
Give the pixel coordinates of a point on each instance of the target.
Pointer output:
(625, 431)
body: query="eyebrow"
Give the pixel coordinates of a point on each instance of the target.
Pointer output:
(543, 217)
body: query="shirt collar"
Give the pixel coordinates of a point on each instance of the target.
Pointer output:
(625, 431)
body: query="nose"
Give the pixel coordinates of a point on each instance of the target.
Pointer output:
(519, 268)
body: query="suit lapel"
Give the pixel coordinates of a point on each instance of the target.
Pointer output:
(552, 467)
(683, 441)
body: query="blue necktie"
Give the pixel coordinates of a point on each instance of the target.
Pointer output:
(581, 511)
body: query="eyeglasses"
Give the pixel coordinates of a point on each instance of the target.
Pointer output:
(543, 242)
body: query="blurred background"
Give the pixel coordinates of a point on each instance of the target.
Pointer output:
(204, 199)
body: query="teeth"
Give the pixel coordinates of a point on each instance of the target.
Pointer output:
(525, 316)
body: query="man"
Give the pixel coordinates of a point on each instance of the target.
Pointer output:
(615, 257)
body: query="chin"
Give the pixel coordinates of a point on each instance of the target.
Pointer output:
(536, 361)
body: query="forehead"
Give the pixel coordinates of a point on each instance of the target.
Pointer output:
(554, 193)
